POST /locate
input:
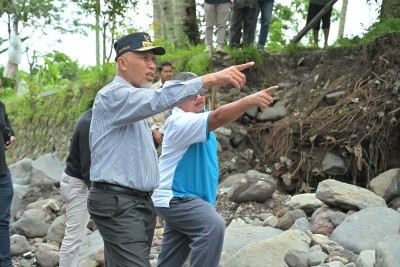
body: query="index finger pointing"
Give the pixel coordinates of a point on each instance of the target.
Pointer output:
(271, 89)
(245, 66)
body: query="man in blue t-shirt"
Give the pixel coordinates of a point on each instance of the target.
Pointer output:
(189, 178)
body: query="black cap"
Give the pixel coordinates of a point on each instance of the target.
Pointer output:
(136, 42)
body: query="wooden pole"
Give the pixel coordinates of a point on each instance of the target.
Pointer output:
(213, 97)
(304, 31)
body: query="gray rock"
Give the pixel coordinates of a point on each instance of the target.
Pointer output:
(56, 230)
(302, 224)
(387, 184)
(269, 252)
(19, 193)
(332, 98)
(21, 171)
(46, 255)
(359, 231)
(33, 223)
(272, 113)
(252, 112)
(333, 165)
(239, 233)
(347, 196)
(296, 258)
(287, 220)
(255, 186)
(388, 252)
(19, 245)
(366, 259)
(306, 201)
(49, 165)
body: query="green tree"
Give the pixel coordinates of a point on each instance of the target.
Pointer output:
(110, 16)
(390, 8)
(38, 15)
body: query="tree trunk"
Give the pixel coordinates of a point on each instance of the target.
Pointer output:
(97, 33)
(342, 21)
(167, 18)
(185, 22)
(157, 19)
(104, 44)
(390, 8)
(175, 21)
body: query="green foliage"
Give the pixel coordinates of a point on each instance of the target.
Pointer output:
(199, 64)
(68, 69)
(6, 88)
(295, 49)
(389, 25)
(276, 36)
(343, 111)
(190, 59)
(6, 82)
(53, 73)
(66, 104)
(246, 54)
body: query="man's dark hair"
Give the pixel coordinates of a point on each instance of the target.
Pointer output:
(163, 64)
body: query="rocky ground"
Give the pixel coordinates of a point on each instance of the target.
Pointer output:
(360, 125)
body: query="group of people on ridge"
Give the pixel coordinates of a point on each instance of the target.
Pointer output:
(243, 18)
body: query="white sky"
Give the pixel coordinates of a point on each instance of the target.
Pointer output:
(360, 16)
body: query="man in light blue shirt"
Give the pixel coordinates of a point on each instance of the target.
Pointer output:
(189, 179)
(124, 169)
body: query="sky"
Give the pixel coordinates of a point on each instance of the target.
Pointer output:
(360, 16)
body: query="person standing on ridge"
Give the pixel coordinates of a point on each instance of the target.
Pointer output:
(243, 13)
(216, 13)
(314, 7)
(264, 7)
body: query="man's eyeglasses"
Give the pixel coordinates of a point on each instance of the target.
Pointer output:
(199, 95)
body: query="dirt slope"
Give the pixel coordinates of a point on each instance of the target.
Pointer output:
(361, 125)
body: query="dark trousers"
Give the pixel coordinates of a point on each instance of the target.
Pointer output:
(6, 195)
(242, 18)
(191, 226)
(313, 10)
(126, 224)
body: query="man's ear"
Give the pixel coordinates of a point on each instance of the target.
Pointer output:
(121, 62)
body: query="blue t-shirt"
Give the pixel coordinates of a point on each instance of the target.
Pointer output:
(188, 163)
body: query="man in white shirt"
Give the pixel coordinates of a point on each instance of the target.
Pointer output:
(156, 122)
(164, 73)
(189, 177)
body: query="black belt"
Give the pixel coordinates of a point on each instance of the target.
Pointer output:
(121, 189)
